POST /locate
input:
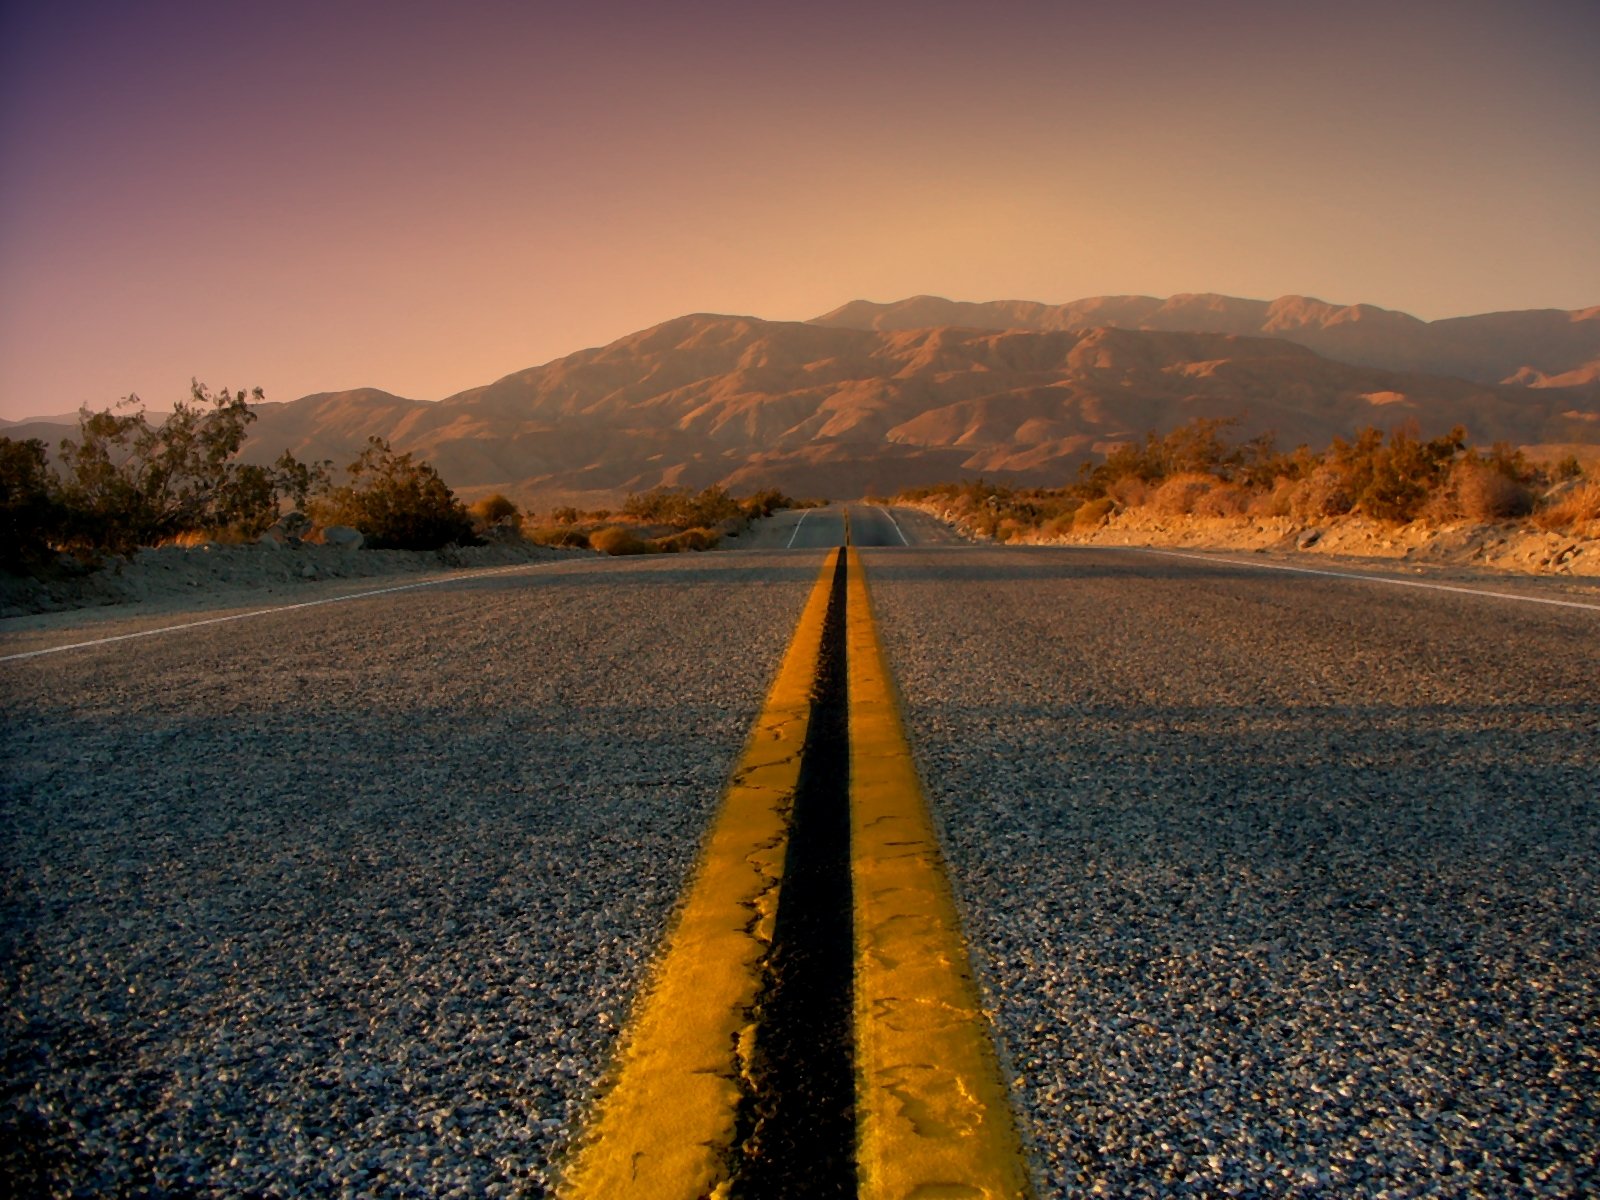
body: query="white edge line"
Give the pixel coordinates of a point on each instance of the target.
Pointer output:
(1411, 583)
(803, 515)
(898, 532)
(264, 612)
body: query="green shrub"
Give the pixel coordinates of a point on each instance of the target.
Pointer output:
(398, 502)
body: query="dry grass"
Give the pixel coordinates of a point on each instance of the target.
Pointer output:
(688, 539)
(1576, 509)
(566, 536)
(1093, 514)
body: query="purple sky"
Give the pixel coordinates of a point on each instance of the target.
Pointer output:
(424, 197)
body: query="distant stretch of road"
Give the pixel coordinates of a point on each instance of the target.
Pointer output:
(869, 525)
(1276, 884)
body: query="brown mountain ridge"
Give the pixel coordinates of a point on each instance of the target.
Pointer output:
(878, 397)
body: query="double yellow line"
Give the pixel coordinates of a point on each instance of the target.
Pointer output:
(932, 1118)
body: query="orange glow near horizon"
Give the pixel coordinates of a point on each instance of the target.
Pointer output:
(389, 195)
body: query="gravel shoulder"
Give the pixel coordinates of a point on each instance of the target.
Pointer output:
(352, 900)
(1281, 886)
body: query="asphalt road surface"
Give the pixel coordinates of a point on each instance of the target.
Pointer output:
(870, 525)
(1281, 885)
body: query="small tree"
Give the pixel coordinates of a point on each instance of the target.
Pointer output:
(397, 501)
(128, 483)
(31, 512)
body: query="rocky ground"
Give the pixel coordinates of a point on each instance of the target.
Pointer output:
(1455, 548)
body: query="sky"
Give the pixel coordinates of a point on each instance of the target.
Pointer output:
(424, 197)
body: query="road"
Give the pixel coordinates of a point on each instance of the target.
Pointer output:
(870, 525)
(1277, 884)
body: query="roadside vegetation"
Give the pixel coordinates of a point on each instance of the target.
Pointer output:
(126, 482)
(1197, 470)
(663, 520)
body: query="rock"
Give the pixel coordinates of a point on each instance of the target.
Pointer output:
(278, 536)
(1308, 539)
(343, 537)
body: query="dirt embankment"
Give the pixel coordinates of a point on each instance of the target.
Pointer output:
(1456, 546)
(212, 574)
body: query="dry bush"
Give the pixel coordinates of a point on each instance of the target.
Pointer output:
(1321, 494)
(1058, 526)
(1223, 500)
(1129, 491)
(1092, 514)
(558, 535)
(1279, 502)
(614, 539)
(1009, 529)
(688, 539)
(1178, 495)
(1573, 509)
(493, 509)
(1485, 494)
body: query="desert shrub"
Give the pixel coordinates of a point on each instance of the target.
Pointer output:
(1059, 526)
(1093, 513)
(32, 515)
(682, 508)
(688, 539)
(1177, 496)
(1278, 501)
(616, 539)
(493, 509)
(1484, 493)
(769, 500)
(1320, 495)
(1568, 468)
(127, 483)
(1222, 500)
(1573, 508)
(566, 536)
(397, 501)
(1393, 480)
(1128, 491)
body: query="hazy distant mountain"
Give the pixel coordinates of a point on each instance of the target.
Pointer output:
(853, 403)
(1510, 347)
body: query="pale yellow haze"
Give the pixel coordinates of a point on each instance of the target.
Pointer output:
(381, 196)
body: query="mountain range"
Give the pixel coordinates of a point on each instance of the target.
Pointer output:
(875, 397)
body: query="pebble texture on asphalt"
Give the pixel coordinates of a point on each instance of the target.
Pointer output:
(352, 900)
(1281, 886)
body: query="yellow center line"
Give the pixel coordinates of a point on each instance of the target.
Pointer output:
(665, 1126)
(932, 1114)
(933, 1120)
